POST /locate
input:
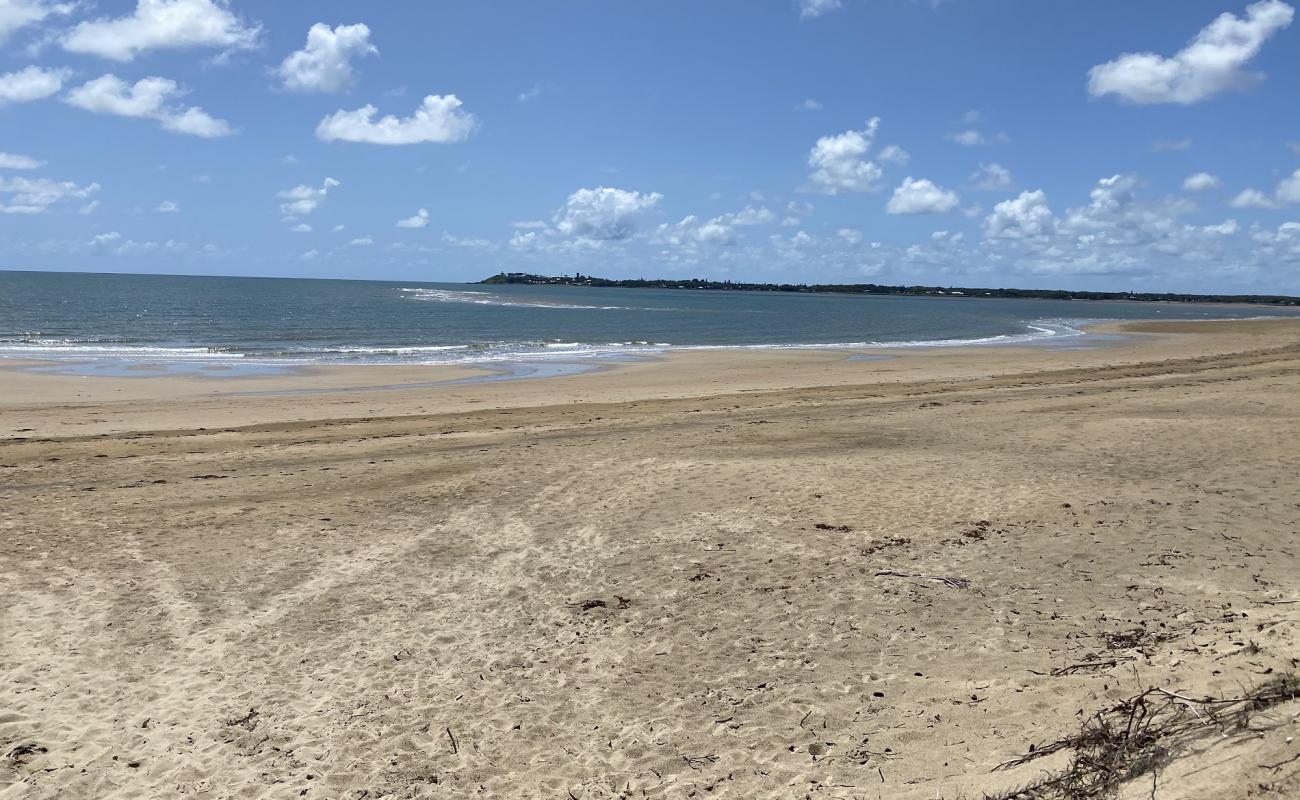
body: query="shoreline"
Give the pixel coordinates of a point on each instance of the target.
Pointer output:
(403, 389)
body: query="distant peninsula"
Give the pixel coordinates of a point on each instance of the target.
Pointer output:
(883, 289)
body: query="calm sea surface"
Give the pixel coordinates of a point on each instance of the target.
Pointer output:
(286, 321)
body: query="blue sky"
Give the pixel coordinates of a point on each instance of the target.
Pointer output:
(1119, 145)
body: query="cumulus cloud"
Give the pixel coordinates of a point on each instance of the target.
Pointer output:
(1213, 62)
(167, 207)
(420, 220)
(325, 64)
(1288, 191)
(163, 25)
(839, 163)
(32, 83)
(1170, 145)
(809, 105)
(18, 14)
(147, 98)
(1252, 198)
(921, 196)
(1025, 216)
(893, 154)
(521, 240)
(105, 239)
(438, 119)
(603, 213)
(811, 9)
(751, 215)
(35, 196)
(301, 227)
(991, 178)
(1228, 227)
(467, 241)
(691, 230)
(302, 200)
(362, 241)
(1200, 182)
(16, 161)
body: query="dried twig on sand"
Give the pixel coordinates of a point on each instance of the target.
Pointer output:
(955, 583)
(1139, 736)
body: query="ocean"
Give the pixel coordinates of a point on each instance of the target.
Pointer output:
(84, 317)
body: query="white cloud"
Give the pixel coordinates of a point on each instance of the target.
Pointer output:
(690, 231)
(603, 212)
(529, 224)
(438, 119)
(302, 200)
(1226, 228)
(921, 196)
(850, 235)
(163, 25)
(301, 227)
(992, 178)
(1025, 216)
(147, 98)
(167, 207)
(1200, 182)
(1252, 198)
(310, 255)
(751, 216)
(1288, 190)
(325, 64)
(34, 196)
(89, 208)
(420, 220)
(18, 14)
(968, 138)
(1213, 62)
(811, 9)
(31, 83)
(1170, 145)
(893, 154)
(973, 138)
(809, 105)
(104, 239)
(839, 162)
(465, 241)
(523, 241)
(531, 94)
(16, 161)
(362, 241)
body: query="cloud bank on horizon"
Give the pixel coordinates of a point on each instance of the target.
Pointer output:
(797, 140)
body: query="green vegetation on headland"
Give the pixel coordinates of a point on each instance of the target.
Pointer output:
(875, 288)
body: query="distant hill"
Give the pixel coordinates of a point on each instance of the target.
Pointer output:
(875, 288)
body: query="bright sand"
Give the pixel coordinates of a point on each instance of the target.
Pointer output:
(373, 593)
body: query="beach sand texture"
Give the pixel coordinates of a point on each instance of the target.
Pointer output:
(605, 587)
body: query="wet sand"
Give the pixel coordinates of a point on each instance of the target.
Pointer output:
(716, 574)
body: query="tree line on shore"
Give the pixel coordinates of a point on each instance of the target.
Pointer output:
(579, 279)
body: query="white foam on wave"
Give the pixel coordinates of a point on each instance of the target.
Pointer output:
(489, 299)
(64, 349)
(485, 352)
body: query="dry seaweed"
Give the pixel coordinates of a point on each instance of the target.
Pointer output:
(1139, 736)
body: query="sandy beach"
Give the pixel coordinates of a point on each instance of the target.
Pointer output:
(719, 573)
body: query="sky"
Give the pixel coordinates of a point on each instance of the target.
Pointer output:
(1149, 146)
